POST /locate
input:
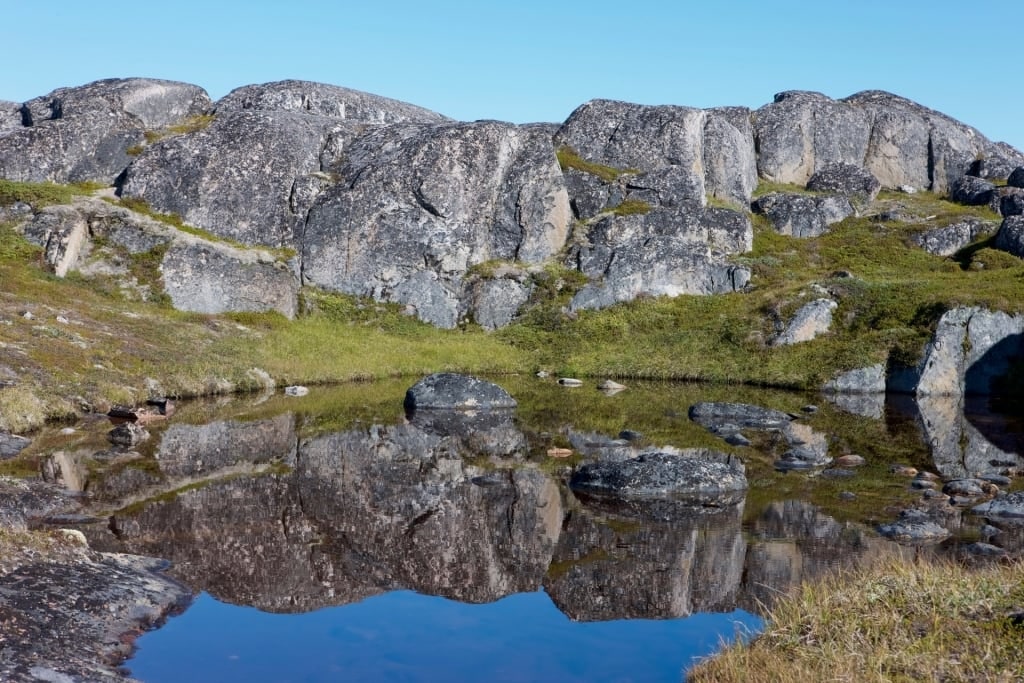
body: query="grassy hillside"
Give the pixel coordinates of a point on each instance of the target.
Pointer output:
(89, 342)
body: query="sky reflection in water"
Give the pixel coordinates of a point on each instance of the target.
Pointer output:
(405, 636)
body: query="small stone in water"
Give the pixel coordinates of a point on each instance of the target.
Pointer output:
(569, 382)
(295, 391)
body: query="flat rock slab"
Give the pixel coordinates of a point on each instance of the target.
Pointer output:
(697, 475)
(451, 391)
(1010, 506)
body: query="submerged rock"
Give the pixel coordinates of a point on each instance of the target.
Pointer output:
(451, 391)
(742, 415)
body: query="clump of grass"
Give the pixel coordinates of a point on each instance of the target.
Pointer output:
(631, 207)
(21, 409)
(193, 124)
(134, 150)
(39, 195)
(897, 620)
(994, 259)
(568, 158)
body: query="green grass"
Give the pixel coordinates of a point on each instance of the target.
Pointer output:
(568, 158)
(39, 195)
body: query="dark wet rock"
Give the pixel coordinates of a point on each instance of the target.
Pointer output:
(83, 133)
(416, 206)
(914, 526)
(101, 604)
(451, 391)
(612, 567)
(694, 477)
(846, 179)
(802, 215)
(972, 191)
(948, 240)
(1010, 237)
(1011, 204)
(1016, 177)
(491, 433)
(127, 434)
(664, 252)
(810, 320)
(203, 277)
(1009, 506)
(630, 435)
(737, 439)
(12, 444)
(742, 415)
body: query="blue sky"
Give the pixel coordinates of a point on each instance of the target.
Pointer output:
(533, 60)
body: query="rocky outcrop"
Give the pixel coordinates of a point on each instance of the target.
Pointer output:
(450, 391)
(810, 320)
(949, 239)
(84, 133)
(802, 215)
(417, 206)
(900, 142)
(664, 252)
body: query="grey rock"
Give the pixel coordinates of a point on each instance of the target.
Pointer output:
(666, 252)
(1011, 204)
(450, 391)
(803, 215)
(10, 116)
(983, 550)
(914, 526)
(972, 191)
(1016, 178)
(730, 161)
(949, 239)
(82, 133)
(296, 391)
(697, 477)
(1010, 237)
(969, 488)
(202, 450)
(811, 320)
(419, 205)
(737, 439)
(1009, 506)
(11, 445)
(807, 448)
(869, 380)
(246, 177)
(321, 99)
(206, 277)
(958, 449)
(570, 382)
(803, 132)
(62, 232)
(127, 434)
(610, 385)
(741, 415)
(838, 473)
(494, 303)
(665, 143)
(866, 405)
(846, 179)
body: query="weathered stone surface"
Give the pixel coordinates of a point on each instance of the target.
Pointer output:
(208, 278)
(665, 143)
(12, 444)
(82, 133)
(61, 231)
(1009, 506)
(1016, 177)
(971, 347)
(810, 321)
(869, 380)
(695, 476)
(10, 115)
(127, 434)
(1011, 204)
(803, 215)
(419, 205)
(972, 191)
(948, 240)
(1010, 237)
(494, 303)
(845, 179)
(321, 99)
(914, 526)
(200, 450)
(451, 391)
(665, 252)
(730, 161)
(741, 415)
(807, 448)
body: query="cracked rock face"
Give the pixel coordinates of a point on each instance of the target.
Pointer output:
(83, 133)
(417, 206)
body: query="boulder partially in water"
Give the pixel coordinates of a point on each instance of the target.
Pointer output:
(452, 391)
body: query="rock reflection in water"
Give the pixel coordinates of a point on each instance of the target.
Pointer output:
(958, 448)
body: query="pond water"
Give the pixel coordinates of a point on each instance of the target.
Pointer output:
(330, 537)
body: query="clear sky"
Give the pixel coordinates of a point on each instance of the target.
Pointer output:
(536, 60)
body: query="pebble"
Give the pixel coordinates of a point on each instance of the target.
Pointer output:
(849, 460)
(295, 391)
(847, 495)
(569, 382)
(609, 385)
(810, 409)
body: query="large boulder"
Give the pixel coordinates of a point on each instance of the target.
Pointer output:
(845, 179)
(1010, 237)
(84, 133)
(972, 191)
(802, 215)
(730, 160)
(693, 476)
(417, 206)
(662, 252)
(451, 391)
